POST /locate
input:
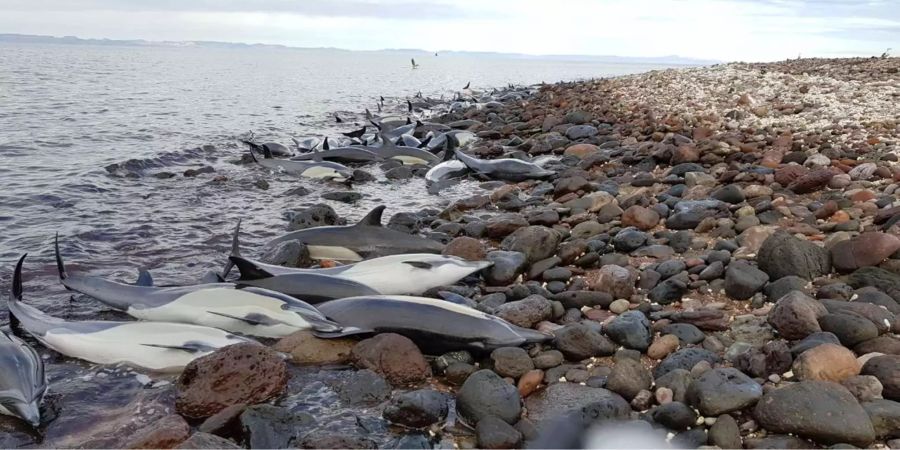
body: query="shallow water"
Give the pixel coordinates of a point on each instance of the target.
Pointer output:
(66, 112)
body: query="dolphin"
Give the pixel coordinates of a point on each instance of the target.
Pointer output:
(408, 140)
(310, 286)
(366, 239)
(404, 154)
(448, 168)
(508, 169)
(273, 147)
(23, 382)
(435, 325)
(397, 132)
(351, 154)
(249, 310)
(311, 169)
(356, 134)
(306, 144)
(156, 346)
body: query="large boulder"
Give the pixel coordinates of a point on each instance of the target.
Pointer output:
(783, 255)
(535, 241)
(559, 399)
(486, 394)
(417, 408)
(394, 356)
(796, 315)
(720, 391)
(883, 280)
(242, 373)
(631, 330)
(887, 369)
(823, 411)
(826, 362)
(867, 249)
(526, 312)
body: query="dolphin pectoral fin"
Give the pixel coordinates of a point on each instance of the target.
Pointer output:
(346, 331)
(184, 348)
(254, 319)
(249, 270)
(144, 278)
(373, 218)
(419, 264)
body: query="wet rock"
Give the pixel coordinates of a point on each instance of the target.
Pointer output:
(225, 423)
(288, 254)
(561, 398)
(867, 249)
(305, 348)
(201, 440)
(725, 433)
(887, 369)
(329, 439)
(343, 196)
(850, 329)
(526, 312)
(885, 417)
(819, 410)
(267, 426)
(742, 280)
(685, 358)
(394, 356)
(315, 216)
(535, 241)
(631, 330)
(511, 362)
(466, 248)
(783, 255)
(796, 315)
(826, 362)
(417, 409)
(486, 394)
(579, 341)
(361, 176)
(628, 377)
(363, 387)
(399, 173)
(507, 266)
(241, 373)
(776, 441)
(720, 391)
(167, 432)
(494, 433)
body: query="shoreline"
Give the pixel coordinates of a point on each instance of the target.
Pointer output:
(653, 256)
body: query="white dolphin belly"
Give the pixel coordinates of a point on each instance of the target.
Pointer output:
(126, 344)
(320, 172)
(391, 275)
(409, 160)
(333, 252)
(198, 307)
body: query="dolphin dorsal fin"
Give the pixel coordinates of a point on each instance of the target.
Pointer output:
(326, 145)
(144, 278)
(373, 218)
(249, 270)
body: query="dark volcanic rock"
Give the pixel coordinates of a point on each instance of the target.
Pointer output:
(267, 426)
(675, 416)
(579, 341)
(561, 398)
(201, 440)
(314, 216)
(887, 369)
(720, 391)
(850, 329)
(511, 362)
(884, 281)
(241, 373)
(631, 330)
(742, 280)
(579, 299)
(417, 408)
(628, 377)
(796, 315)
(363, 388)
(725, 433)
(492, 432)
(535, 241)
(819, 410)
(526, 312)
(885, 417)
(783, 255)
(486, 394)
(685, 358)
(506, 268)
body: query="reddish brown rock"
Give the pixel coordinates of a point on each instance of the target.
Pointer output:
(167, 432)
(796, 315)
(640, 217)
(788, 174)
(662, 346)
(685, 153)
(616, 280)
(466, 248)
(529, 382)
(241, 373)
(581, 150)
(393, 356)
(826, 362)
(305, 348)
(811, 182)
(867, 249)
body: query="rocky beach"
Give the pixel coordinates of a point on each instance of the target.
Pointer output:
(716, 256)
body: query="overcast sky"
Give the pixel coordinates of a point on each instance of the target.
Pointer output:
(717, 29)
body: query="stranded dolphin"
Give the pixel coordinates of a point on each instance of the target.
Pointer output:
(508, 169)
(366, 239)
(251, 310)
(412, 273)
(311, 169)
(23, 382)
(158, 346)
(351, 154)
(436, 325)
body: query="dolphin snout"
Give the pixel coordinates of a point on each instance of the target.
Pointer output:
(29, 412)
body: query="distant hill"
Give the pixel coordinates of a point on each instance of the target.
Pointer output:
(72, 40)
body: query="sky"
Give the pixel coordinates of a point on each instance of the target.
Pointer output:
(726, 30)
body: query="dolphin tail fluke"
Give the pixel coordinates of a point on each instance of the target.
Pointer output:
(373, 218)
(249, 270)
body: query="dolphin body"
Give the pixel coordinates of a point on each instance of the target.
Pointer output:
(250, 311)
(363, 240)
(404, 154)
(347, 155)
(272, 147)
(435, 325)
(156, 346)
(23, 382)
(449, 168)
(324, 170)
(508, 169)
(411, 273)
